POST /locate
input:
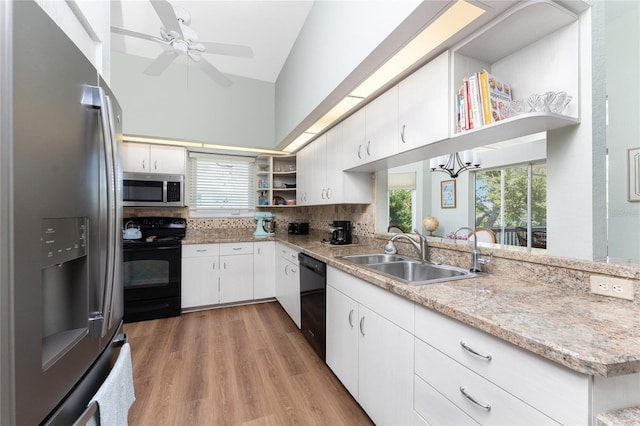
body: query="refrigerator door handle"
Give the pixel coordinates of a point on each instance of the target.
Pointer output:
(87, 415)
(96, 97)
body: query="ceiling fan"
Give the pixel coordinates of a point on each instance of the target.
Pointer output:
(176, 38)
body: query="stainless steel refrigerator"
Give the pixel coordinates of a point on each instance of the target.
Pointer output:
(60, 222)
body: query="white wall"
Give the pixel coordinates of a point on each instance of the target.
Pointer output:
(336, 38)
(623, 131)
(88, 24)
(183, 103)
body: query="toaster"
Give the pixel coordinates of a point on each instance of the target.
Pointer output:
(299, 228)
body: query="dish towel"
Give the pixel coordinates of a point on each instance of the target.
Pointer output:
(116, 394)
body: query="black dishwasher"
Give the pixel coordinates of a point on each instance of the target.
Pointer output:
(313, 302)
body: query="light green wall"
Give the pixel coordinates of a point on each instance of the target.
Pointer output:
(337, 36)
(183, 103)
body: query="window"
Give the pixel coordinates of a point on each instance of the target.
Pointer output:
(402, 200)
(220, 183)
(502, 201)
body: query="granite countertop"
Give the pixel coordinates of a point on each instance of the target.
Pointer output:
(590, 334)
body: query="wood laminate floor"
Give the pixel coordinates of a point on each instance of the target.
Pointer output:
(245, 365)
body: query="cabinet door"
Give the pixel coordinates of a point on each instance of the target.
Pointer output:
(342, 338)
(292, 307)
(304, 178)
(381, 126)
(385, 373)
(353, 140)
(167, 159)
(264, 269)
(135, 157)
(333, 172)
(423, 105)
(199, 281)
(236, 278)
(317, 166)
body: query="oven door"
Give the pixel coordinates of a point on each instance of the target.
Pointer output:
(151, 271)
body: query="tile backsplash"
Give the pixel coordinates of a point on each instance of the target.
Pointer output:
(362, 217)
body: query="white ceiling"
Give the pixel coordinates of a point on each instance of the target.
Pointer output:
(270, 28)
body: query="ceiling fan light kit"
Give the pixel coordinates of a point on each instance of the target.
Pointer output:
(176, 37)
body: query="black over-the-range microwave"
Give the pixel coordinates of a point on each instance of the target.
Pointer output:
(152, 190)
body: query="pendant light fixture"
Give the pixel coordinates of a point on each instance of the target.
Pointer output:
(453, 165)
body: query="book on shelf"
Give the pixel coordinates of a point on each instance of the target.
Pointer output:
(479, 101)
(495, 95)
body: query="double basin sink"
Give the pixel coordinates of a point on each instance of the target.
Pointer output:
(409, 270)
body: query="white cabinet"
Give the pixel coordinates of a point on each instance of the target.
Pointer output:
(382, 126)
(264, 270)
(305, 164)
(200, 272)
(217, 273)
(490, 370)
(288, 281)
(370, 346)
(322, 179)
(423, 105)
(144, 158)
(354, 140)
(236, 272)
(342, 338)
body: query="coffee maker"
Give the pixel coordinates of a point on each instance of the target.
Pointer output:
(341, 232)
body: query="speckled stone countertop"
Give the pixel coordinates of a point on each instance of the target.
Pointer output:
(624, 417)
(586, 333)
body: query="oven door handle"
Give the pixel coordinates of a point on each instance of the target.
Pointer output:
(149, 248)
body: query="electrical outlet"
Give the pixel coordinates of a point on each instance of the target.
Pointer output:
(613, 287)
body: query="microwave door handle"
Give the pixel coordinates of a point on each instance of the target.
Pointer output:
(165, 188)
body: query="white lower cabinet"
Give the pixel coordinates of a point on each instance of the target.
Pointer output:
(370, 346)
(264, 270)
(288, 281)
(200, 272)
(236, 272)
(213, 274)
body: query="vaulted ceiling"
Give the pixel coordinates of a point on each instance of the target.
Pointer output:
(269, 28)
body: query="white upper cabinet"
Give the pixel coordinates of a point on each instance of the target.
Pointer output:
(144, 158)
(381, 126)
(423, 105)
(323, 181)
(353, 140)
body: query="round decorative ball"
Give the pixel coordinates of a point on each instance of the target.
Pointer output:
(430, 223)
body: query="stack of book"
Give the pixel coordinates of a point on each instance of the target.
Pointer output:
(479, 101)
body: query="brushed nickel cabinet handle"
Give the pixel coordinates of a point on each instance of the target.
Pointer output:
(402, 134)
(362, 326)
(351, 318)
(469, 349)
(463, 391)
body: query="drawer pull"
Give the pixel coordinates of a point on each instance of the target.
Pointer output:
(472, 399)
(362, 326)
(473, 351)
(201, 250)
(351, 318)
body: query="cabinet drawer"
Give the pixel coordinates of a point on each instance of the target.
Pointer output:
(558, 391)
(435, 409)
(492, 406)
(236, 248)
(200, 250)
(287, 253)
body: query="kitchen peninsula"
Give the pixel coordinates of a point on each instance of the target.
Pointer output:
(590, 344)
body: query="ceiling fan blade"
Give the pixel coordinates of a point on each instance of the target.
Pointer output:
(167, 15)
(130, 33)
(228, 49)
(213, 73)
(161, 62)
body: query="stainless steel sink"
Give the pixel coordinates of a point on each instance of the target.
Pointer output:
(420, 273)
(368, 259)
(410, 271)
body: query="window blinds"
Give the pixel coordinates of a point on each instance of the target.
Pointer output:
(219, 182)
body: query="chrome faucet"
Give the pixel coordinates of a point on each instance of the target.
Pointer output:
(422, 248)
(475, 254)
